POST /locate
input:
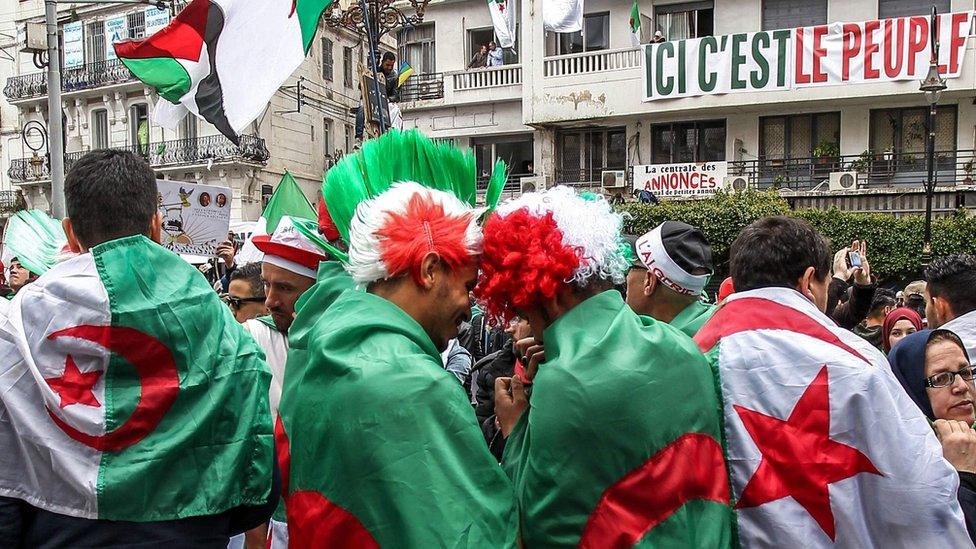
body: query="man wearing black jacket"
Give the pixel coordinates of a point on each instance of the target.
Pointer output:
(850, 313)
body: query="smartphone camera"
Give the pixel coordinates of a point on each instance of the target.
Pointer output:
(854, 259)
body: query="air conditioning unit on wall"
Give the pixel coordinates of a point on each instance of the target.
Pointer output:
(736, 183)
(533, 184)
(843, 181)
(616, 179)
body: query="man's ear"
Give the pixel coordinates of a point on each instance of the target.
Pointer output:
(803, 285)
(650, 283)
(429, 267)
(69, 232)
(943, 310)
(156, 228)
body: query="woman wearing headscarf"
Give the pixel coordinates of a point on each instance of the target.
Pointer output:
(934, 369)
(898, 324)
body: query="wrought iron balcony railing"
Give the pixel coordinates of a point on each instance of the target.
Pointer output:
(870, 170)
(89, 75)
(423, 86)
(884, 169)
(160, 154)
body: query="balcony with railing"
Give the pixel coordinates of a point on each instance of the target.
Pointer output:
(600, 61)
(163, 154)
(870, 170)
(87, 76)
(459, 87)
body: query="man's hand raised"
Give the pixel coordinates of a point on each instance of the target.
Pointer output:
(510, 402)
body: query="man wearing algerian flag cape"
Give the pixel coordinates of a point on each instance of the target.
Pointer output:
(824, 446)
(378, 444)
(620, 445)
(133, 407)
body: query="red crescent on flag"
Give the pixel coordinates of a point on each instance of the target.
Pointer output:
(690, 468)
(158, 379)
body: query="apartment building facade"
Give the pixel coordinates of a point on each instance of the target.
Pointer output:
(580, 101)
(308, 124)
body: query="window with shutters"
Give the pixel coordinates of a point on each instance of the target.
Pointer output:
(889, 9)
(903, 130)
(347, 66)
(581, 155)
(789, 14)
(327, 60)
(798, 135)
(327, 136)
(595, 35)
(136, 21)
(99, 129)
(416, 47)
(680, 142)
(188, 127)
(687, 20)
(95, 41)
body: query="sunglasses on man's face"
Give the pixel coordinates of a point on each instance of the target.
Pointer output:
(237, 302)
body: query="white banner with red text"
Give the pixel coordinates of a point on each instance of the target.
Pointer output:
(694, 179)
(825, 55)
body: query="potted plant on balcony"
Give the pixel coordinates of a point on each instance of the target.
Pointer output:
(863, 162)
(826, 152)
(968, 168)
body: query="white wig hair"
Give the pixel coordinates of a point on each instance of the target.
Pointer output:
(367, 261)
(587, 224)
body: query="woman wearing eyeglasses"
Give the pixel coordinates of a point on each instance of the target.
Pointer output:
(934, 369)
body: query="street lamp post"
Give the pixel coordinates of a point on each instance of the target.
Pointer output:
(374, 18)
(932, 86)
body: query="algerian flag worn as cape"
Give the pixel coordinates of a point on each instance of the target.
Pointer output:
(378, 444)
(288, 199)
(222, 60)
(503, 19)
(35, 239)
(824, 446)
(129, 392)
(620, 445)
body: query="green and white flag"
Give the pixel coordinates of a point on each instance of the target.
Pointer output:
(503, 19)
(635, 24)
(129, 392)
(287, 200)
(35, 239)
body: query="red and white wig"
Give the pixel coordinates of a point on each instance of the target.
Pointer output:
(392, 233)
(540, 243)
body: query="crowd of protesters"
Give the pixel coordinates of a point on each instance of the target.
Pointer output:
(554, 329)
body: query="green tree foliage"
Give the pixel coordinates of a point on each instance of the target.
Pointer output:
(894, 244)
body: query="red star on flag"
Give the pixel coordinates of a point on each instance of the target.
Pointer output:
(798, 457)
(75, 386)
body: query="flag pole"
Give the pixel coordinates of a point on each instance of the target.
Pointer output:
(55, 130)
(372, 41)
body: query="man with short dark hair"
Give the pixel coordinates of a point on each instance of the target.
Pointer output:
(245, 293)
(671, 267)
(19, 276)
(870, 329)
(950, 297)
(125, 379)
(386, 69)
(823, 444)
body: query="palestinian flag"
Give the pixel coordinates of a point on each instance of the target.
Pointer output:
(635, 24)
(129, 392)
(222, 60)
(287, 200)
